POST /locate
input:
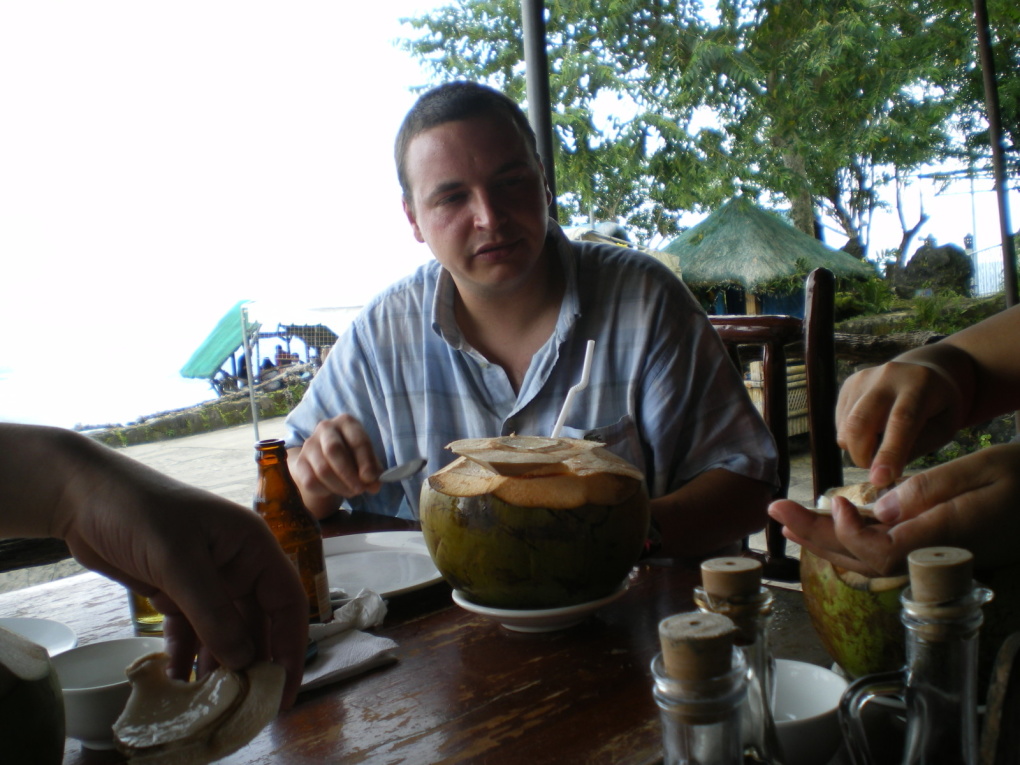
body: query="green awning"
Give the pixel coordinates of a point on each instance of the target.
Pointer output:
(219, 346)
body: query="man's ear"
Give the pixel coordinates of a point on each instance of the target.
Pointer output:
(545, 182)
(409, 212)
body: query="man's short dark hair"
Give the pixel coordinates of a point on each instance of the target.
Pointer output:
(453, 102)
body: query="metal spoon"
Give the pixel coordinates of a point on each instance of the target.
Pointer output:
(402, 471)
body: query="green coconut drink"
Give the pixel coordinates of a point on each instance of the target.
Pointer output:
(31, 703)
(856, 617)
(858, 620)
(524, 522)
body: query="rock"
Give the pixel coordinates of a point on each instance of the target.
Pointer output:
(945, 268)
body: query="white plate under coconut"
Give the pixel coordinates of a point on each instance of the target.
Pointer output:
(539, 620)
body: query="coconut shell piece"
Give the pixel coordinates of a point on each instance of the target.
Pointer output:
(171, 722)
(560, 491)
(520, 455)
(535, 456)
(31, 705)
(530, 471)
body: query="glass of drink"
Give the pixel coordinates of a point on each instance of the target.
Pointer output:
(144, 617)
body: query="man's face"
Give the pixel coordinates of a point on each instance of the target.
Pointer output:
(480, 202)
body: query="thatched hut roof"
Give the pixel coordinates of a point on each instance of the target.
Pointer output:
(744, 246)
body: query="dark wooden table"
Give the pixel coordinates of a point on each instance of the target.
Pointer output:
(464, 689)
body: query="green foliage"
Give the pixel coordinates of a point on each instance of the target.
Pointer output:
(787, 285)
(969, 440)
(810, 102)
(872, 296)
(933, 313)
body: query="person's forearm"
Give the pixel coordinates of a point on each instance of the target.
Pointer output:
(956, 370)
(993, 347)
(714, 510)
(33, 476)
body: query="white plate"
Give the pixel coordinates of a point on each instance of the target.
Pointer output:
(541, 620)
(55, 637)
(387, 562)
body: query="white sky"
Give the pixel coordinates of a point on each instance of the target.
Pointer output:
(160, 161)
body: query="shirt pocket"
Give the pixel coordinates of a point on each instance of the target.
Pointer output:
(621, 438)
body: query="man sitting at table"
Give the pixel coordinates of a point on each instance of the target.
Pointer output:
(487, 339)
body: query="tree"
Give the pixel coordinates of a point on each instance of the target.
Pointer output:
(818, 104)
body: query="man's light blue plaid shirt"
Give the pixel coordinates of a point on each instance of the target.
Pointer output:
(662, 393)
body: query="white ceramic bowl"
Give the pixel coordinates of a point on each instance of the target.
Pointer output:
(96, 688)
(806, 703)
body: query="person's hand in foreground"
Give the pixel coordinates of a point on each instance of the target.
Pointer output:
(336, 462)
(888, 415)
(970, 502)
(211, 566)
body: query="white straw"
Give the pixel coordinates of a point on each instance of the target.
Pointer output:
(585, 373)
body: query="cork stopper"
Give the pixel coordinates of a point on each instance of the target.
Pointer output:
(731, 577)
(940, 574)
(696, 646)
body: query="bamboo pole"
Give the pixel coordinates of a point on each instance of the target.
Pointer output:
(995, 139)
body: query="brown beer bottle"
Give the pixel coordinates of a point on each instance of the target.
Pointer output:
(278, 501)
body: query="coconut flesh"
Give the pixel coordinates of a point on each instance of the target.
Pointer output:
(172, 722)
(530, 522)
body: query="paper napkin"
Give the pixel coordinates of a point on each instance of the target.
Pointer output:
(345, 651)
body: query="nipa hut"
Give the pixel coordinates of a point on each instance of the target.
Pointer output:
(747, 260)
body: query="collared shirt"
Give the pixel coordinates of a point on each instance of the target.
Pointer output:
(662, 391)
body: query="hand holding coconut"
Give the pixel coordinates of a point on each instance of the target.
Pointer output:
(891, 414)
(970, 501)
(213, 567)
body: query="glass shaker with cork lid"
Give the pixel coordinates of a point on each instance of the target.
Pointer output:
(942, 615)
(700, 687)
(732, 586)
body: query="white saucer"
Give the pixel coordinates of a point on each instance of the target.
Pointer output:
(55, 637)
(386, 562)
(541, 620)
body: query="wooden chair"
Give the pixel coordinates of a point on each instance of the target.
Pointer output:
(773, 334)
(1000, 738)
(25, 553)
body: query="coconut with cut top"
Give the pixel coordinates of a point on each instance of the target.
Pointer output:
(525, 522)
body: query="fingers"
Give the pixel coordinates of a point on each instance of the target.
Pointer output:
(806, 525)
(878, 553)
(211, 566)
(337, 460)
(887, 413)
(244, 602)
(902, 426)
(859, 426)
(969, 502)
(939, 485)
(180, 643)
(844, 538)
